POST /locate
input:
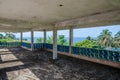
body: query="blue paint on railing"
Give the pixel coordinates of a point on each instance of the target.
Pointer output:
(108, 55)
(27, 45)
(63, 48)
(98, 54)
(48, 46)
(38, 45)
(9, 44)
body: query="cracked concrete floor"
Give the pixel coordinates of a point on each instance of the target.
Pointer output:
(20, 64)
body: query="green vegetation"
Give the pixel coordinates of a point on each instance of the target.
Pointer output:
(62, 41)
(49, 40)
(104, 40)
(1, 36)
(39, 40)
(9, 37)
(116, 40)
(86, 43)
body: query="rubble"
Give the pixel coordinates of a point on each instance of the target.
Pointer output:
(65, 68)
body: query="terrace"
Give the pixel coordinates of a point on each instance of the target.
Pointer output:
(43, 61)
(18, 63)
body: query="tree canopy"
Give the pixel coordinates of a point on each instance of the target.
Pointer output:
(61, 40)
(9, 35)
(39, 40)
(86, 43)
(1, 36)
(105, 38)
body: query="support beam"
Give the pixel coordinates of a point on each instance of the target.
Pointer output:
(109, 17)
(70, 40)
(54, 44)
(44, 36)
(32, 40)
(21, 37)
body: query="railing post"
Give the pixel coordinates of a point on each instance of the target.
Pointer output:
(70, 39)
(32, 40)
(54, 44)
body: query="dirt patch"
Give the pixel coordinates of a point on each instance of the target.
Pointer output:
(40, 64)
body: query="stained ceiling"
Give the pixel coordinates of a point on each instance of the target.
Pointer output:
(26, 15)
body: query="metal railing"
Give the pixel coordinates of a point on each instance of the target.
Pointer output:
(48, 46)
(38, 45)
(63, 48)
(27, 45)
(10, 44)
(108, 55)
(97, 53)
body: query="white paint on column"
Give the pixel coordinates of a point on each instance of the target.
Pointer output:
(70, 40)
(21, 37)
(32, 40)
(44, 36)
(55, 44)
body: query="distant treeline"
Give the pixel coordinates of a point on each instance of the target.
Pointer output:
(104, 40)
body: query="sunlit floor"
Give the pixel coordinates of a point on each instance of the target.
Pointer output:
(20, 64)
(9, 60)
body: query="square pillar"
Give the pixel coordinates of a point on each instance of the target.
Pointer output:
(21, 37)
(70, 40)
(54, 44)
(44, 36)
(32, 40)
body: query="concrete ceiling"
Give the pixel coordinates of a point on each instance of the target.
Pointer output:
(26, 15)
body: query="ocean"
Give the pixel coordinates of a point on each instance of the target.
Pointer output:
(76, 39)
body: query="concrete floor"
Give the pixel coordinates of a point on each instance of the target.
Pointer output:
(20, 64)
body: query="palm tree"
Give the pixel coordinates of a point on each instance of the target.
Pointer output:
(116, 42)
(89, 38)
(61, 40)
(1, 36)
(50, 40)
(39, 40)
(117, 34)
(9, 35)
(105, 38)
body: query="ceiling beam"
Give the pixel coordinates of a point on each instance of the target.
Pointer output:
(110, 17)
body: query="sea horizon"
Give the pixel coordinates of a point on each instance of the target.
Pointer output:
(75, 39)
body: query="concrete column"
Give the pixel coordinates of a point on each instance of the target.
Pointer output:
(32, 40)
(54, 44)
(21, 37)
(44, 36)
(70, 40)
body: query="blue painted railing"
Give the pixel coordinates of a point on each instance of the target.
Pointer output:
(89, 52)
(97, 53)
(27, 45)
(9, 44)
(38, 45)
(48, 46)
(63, 48)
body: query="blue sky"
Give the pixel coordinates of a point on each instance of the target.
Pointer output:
(94, 32)
(81, 32)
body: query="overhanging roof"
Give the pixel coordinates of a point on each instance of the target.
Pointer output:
(26, 15)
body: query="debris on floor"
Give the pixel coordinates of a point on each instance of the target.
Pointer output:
(20, 64)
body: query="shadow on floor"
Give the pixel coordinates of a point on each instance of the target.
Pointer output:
(65, 68)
